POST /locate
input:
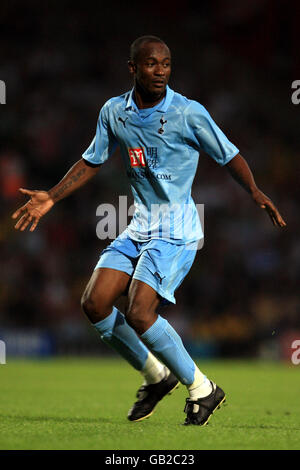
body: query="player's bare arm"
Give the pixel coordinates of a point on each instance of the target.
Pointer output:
(240, 171)
(41, 202)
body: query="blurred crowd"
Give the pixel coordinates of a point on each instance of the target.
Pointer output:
(60, 63)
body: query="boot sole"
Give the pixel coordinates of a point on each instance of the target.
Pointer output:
(216, 408)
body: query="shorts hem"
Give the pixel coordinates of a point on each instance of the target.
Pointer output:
(112, 267)
(161, 292)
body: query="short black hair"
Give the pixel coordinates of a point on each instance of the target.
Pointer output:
(136, 45)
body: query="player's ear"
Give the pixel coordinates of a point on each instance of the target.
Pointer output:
(131, 67)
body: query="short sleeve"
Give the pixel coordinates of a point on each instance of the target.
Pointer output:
(204, 134)
(104, 143)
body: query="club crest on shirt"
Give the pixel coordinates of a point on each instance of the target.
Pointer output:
(161, 129)
(137, 157)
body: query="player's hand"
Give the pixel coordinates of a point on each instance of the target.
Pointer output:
(38, 205)
(265, 203)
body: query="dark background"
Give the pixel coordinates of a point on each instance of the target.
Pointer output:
(61, 61)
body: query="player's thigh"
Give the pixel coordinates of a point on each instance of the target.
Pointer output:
(103, 290)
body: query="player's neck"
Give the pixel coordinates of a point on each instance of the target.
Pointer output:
(146, 100)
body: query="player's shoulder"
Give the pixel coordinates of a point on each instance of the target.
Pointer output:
(114, 103)
(187, 105)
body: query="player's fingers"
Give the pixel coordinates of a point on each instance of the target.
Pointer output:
(26, 223)
(26, 191)
(275, 215)
(33, 226)
(20, 222)
(272, 216)
(280, 220)
(273, 219)
(18, 212)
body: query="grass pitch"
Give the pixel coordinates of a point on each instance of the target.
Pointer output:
(82, 404)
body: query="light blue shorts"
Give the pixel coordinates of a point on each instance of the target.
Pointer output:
(158, 263)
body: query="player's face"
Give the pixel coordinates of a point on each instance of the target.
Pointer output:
(152, 68)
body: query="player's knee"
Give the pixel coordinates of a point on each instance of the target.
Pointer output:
(138, 317)
(87, 304)
(93, 307)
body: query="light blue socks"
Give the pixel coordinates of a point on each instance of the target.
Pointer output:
(166, 344)
(161, 339)
(115, 331)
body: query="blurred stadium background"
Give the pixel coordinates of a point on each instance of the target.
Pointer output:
(61, 61)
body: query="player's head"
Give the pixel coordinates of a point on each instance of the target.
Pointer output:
(150, 64)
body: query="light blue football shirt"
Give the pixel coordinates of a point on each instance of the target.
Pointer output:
(160, 148)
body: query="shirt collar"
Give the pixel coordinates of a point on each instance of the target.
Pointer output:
(162, 106)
